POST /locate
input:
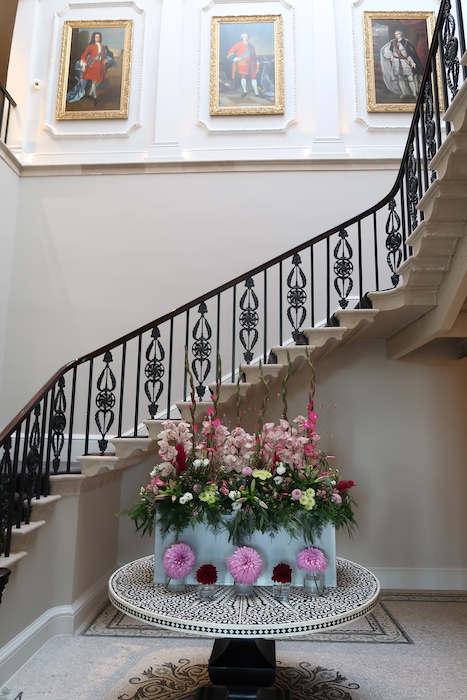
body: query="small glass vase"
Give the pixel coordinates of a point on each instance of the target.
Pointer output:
(281, 591)
(313, 583)
(206, 591)
(243, 588)
(174, 585)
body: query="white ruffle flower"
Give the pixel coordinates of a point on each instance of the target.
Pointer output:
(281, 469)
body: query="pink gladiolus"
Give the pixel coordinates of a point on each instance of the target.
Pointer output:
(216, 422)
(210, 410)
(245, 565)
(179, 560)
(296, 494)
(247, 471)
(311, 559)
(336, 498)
(309, 449)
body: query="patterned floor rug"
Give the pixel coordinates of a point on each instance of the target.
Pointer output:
(378, 627)
(179, 680)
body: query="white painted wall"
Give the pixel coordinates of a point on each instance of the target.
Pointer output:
(9, 187)
(324, 77)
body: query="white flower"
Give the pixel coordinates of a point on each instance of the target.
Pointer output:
(154, 472)
(205, 462)
(187, 496)
(182, 499)
(278, 479)
(333, 483)
(234, 494)
(197, 462)
(281, 469)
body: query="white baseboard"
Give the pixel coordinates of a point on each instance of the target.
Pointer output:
(421, 578)
(63, 619)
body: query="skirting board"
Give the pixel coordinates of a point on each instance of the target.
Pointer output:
(63, 619)
(421, 579)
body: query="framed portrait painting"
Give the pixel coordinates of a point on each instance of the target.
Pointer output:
(95, 62)
(396, 51)
(247, 65)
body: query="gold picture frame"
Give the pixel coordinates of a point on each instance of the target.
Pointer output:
(247, 65)
(94, 78)
(396, 49)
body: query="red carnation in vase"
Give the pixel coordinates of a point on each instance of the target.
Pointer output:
(206, 574)
(344, 485)
(282, 573)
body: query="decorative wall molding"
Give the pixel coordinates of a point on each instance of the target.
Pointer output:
(207, 122)
(64, 130)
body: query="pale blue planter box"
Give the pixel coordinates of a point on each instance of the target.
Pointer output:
(212, 549)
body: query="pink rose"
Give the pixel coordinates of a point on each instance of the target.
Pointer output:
(197, 488)
(336, 498)
(296, 494)
(247, 471)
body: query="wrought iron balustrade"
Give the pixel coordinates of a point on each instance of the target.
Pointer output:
(110, 392)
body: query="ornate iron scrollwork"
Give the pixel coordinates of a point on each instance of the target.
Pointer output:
(249, 319)
(201, 349)
(451, 47)
(430, 128)
(105, 401)
(412, 187)
(7, 489)
(154, 372)
(296, 297)
(33, 461)
(393, 241)
(58, 424)
(343, 269)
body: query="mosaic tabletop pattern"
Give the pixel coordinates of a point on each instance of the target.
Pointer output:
(133, 592)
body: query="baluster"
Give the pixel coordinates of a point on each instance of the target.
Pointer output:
(33, 461)
(154, 371)
(430, 127)
(450, 46)
(393, 241)
(58, 424)
(105, 401)
(412, 188)
(201, 349)
(343, 269)
(249, 319)
(296, 297)
(7, 491)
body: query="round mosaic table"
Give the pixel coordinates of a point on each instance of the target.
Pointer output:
(243, 658)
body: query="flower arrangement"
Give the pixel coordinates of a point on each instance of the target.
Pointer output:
(311, 560)
(277, 478)
(245, 565)
(282, 573)
(206, 574)
(178, 561)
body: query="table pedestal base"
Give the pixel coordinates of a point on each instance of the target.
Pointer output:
(243, 669)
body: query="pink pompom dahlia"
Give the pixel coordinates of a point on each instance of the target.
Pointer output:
(245, 565)
(179, 560)
(311, 559)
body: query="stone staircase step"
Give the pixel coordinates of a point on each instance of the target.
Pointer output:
(42, 506)
(445, 201)
(228, 391)
(154, 427)
(270, 371)
(323, 339)
(12, 560)
(200, 411)
(96, 464)
(297, 354)
(126, 447)
(22, 536)
(355, 321)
